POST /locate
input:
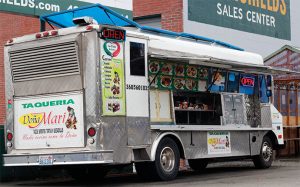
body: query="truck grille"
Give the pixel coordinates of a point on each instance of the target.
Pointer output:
(45, 61)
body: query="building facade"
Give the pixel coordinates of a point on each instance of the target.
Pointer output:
(21, 17)
(260, 26)
(287, 95)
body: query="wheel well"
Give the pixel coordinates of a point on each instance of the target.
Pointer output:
(273, 138)
(177, 141)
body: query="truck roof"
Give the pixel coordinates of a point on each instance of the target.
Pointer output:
(106, 16)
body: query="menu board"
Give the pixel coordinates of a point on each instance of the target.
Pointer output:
(112, 78)
(177, 76)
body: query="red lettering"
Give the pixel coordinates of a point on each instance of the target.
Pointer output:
(105, 33)
(122, 35)
(46, 119)
(56, 119)
(113, 34)
(117, 37)
(247, 81)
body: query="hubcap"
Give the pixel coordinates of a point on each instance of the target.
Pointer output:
(266, 151)
(167, 159)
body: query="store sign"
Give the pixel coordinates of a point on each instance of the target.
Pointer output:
(247, 81)
(264, 17)
(218, 142)
(113, 34)
(49, 122)
(112, 78)
(40, 7)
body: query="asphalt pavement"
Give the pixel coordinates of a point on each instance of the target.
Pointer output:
(284, 172)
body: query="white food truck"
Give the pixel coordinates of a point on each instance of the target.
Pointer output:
(91, 95)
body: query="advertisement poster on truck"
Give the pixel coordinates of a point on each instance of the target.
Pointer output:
(49, 122)
(218, 142)
(112, 78)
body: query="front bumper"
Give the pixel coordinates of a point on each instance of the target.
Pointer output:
(76, 158)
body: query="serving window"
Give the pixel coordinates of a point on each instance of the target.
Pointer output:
(193, 93)
(192, 103)
(197, 108)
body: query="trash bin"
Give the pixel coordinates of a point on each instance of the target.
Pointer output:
(6, 173)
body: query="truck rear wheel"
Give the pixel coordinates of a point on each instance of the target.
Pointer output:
(198, 164)
(265, 158)
(166, 164)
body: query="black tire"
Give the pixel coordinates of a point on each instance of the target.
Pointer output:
(166, 164)
(90, 173)
(265, 158)
(145, 170)
(198, 164)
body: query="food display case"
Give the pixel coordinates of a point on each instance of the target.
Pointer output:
(191, 97)
(192, 108)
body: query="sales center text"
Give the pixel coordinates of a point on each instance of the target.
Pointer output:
(32, 4)
(277, 6)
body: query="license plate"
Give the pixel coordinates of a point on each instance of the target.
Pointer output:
(46, 160)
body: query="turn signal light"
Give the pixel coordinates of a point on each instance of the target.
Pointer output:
(91, 132)
(279, 136)
(9, 136)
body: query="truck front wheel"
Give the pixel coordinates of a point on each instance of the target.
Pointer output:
(265, 158)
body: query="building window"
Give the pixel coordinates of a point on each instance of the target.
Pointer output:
(151, 21)
(137, 59)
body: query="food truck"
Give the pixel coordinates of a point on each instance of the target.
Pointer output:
(103, 91)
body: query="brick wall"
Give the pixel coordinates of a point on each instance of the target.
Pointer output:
(12, 25)
(171, 12)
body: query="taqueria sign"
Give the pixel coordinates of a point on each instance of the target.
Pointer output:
(265, 17)
(49, 122)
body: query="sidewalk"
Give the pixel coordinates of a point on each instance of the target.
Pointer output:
(292, 161)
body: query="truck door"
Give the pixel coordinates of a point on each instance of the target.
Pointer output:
(137, 95)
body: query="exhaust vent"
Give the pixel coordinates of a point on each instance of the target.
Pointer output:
(45, 62)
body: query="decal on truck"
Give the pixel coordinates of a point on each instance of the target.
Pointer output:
(51, 122)
(112, 78)
(218, 142)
